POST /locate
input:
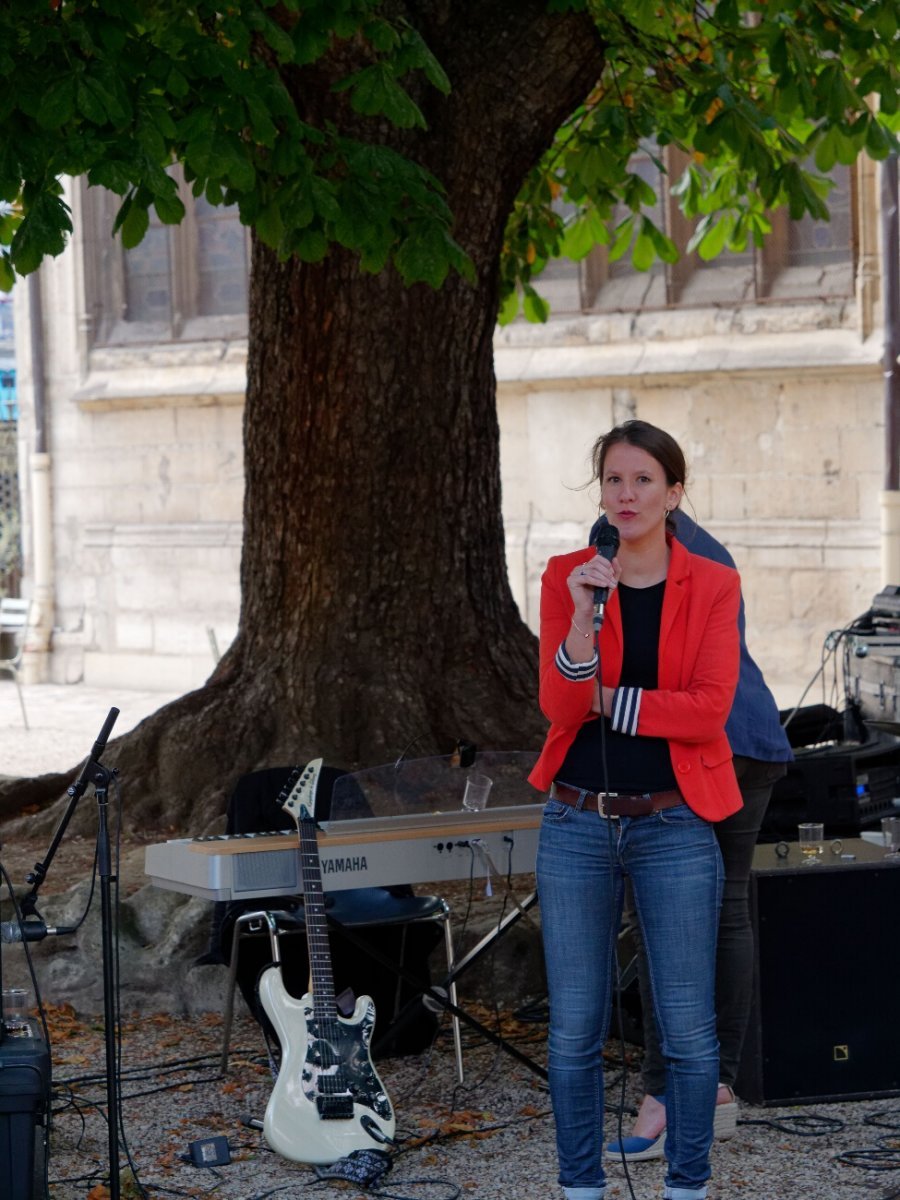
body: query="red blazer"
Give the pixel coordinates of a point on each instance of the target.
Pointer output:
(699, 653)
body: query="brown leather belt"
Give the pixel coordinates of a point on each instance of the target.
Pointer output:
(616, 804)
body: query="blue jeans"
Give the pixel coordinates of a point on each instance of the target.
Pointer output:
(675, 867)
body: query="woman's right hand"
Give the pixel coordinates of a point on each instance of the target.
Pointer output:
(597, 572)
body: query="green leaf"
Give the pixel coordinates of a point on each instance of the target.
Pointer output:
(10, 172)
(9, 223)
(324, 199)
(281, 42)
(111, 174)
(89, 103)
(621, 238)
(535, 307)
(311, 246)
(664, 247)
(382, 34)
(58, 104)
(134, 225)
(423, 256)
(878, 142)
(264, 129)
(169, 208)
(43, 230)
(713, 241)
(374, 92)
(176, 84)
(827, 149)
(643, 253)
(509, 308)
(269, 225)
(7, 274)
(583, 234)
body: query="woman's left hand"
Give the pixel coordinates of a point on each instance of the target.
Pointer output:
(603, 705)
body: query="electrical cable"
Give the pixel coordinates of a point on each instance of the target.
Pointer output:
(885, 1155)
(801, 1125)
(832, 640)
(615, 921)
(890, 1119)
(878, 1159)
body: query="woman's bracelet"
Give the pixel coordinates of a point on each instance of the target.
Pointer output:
(580, 630)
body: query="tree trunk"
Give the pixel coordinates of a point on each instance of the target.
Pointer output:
(376, 610)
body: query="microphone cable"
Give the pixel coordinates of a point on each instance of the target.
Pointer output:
(614, 923)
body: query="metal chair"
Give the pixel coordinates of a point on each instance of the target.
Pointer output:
(14, 615)
(353, 909)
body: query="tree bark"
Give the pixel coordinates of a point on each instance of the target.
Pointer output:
(376, 610)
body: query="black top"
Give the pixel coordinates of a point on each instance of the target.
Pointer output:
(634, 764)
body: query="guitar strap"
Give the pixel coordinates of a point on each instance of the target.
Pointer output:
(362, 1166)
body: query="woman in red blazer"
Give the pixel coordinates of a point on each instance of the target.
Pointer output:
(638, 766)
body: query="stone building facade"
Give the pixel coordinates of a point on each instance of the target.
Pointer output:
(767, 368)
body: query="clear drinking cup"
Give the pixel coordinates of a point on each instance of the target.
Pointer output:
(811, 835)
(478, 788)
(890, 831)
(16, 1002)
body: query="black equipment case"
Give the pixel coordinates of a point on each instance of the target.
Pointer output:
(24, 1099)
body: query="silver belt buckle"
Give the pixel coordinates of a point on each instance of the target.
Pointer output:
(601, 796)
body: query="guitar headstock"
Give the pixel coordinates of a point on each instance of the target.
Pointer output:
(301, 800)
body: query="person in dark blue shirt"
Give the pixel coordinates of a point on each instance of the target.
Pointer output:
(761, 753)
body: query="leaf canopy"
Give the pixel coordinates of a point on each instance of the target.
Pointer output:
(763, 95)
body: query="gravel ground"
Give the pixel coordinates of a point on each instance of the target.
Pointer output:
(489, 1140)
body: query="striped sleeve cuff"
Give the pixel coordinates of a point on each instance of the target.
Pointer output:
(626, 707)
(577, 672)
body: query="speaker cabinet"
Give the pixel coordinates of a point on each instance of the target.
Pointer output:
(826, 1002)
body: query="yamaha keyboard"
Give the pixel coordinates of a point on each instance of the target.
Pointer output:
(394, 824)
(365, 852)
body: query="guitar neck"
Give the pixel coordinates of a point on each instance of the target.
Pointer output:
(316, 923)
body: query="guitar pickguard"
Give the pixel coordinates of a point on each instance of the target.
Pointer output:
(339, 1050)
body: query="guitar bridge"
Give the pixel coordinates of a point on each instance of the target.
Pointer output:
(335, 1108)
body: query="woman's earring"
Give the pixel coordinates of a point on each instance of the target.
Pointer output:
(667, 511)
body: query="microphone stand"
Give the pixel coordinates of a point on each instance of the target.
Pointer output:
(93, 772)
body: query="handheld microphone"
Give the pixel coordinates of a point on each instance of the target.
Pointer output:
(28, 931)
(607, 546)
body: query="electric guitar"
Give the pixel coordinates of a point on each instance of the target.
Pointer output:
(328, 1099)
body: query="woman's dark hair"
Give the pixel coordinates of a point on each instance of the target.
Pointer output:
(658, 444)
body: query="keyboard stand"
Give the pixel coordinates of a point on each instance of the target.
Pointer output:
(439, 994)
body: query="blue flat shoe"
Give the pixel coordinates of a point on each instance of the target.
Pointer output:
(637, 1149)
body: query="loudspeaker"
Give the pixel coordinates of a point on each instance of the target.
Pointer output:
(826, 1001)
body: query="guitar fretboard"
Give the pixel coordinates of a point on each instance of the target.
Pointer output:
(316, 922)
(298, 798)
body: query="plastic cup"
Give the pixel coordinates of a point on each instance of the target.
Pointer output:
(475, 797)
(811, 835)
